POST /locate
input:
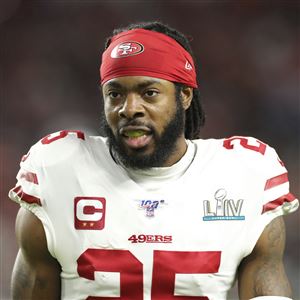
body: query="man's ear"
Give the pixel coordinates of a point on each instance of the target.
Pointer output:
(186, 94)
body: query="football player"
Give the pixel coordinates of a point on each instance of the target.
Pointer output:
(151, 211)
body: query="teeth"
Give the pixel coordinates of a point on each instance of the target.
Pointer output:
(135, 133)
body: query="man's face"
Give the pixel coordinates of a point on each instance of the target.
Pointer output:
(144, 120)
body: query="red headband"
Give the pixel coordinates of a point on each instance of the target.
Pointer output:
(141, 52)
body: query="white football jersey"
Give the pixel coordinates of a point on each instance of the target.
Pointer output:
(116, 240)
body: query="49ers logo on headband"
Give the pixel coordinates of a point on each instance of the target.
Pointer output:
(127, 49)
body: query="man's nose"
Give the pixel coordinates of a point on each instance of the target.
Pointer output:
(132, 107)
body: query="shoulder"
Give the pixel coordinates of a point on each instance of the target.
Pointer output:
(61, 146)
(256, 156)
(244, 150)
(53, 159)
(248, 146)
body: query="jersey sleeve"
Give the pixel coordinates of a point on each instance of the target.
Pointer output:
(28, 192)
(27, 188)
(269, 195)
(277, 199)
(40, 180)
(268, 171)
(51, 150)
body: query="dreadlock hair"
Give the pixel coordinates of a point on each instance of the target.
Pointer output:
(194, 115)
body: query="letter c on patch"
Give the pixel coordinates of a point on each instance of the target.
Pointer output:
(89, 213)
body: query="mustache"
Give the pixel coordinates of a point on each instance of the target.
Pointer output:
(134, 123)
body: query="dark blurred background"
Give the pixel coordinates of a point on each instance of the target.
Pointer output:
(248, 62)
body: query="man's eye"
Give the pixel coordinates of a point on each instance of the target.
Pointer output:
(151, 93)
(114, 95)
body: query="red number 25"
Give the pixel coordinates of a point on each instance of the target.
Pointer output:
(166, 264)
(244, 142)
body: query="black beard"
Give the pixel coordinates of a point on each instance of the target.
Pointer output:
(165, 145)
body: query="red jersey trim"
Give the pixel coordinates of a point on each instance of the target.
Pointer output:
(278, 202)
(30, 177)
(26, 197)
(277, 180)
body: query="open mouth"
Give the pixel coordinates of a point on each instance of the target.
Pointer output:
(136, 137)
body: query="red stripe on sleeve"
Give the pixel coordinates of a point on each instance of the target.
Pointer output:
(17, 189)
(30, 177)
(277, 180)
(26, 197)
(278, 202)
